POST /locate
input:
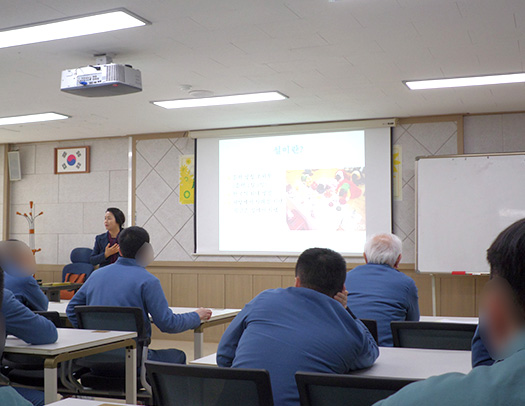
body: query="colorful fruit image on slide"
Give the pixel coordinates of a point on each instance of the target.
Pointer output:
(326, 199)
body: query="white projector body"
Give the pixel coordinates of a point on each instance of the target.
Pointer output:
(101, 80)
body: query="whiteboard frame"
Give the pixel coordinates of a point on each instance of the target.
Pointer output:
(425, 157)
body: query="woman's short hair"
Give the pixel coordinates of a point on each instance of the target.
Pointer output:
(383, 249)
(119, 216)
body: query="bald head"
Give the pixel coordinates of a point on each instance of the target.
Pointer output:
(383, 248)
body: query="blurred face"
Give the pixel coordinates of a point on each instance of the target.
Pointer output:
(109, 221)
(500, 315)
(25, 259)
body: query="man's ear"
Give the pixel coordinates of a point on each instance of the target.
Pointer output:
(297, 282)
(397, 261)
(364, 256)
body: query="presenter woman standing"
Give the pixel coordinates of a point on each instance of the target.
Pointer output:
(105, 251)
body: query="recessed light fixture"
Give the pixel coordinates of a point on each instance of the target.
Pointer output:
(221, 100)
(465, 81)
(31, 118)
(70, 27)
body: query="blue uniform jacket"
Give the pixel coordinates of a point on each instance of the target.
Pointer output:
(98, 254)
(295, 329)
(24, 324)
(25, 288)
(127, 284)
(384, 294)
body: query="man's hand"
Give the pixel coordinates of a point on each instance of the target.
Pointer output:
(342, 297)
(110, 250)
(203, 313)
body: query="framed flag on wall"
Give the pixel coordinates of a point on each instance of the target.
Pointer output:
(71, 160)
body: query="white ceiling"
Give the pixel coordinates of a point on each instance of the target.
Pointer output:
(335, 60)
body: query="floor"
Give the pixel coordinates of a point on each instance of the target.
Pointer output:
(186, 346)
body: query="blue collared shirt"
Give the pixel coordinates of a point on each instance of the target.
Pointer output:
(502, 383)
(127, 284)
(24, 324)
(295, 329)
(382, 293)
(24, 287)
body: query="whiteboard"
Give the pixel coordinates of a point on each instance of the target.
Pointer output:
(462, 204)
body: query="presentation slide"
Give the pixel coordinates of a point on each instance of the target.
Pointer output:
(291, 192)
(282, 194)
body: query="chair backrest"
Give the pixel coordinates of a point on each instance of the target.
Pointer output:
(80, 255)
(432, 335)
(79, 263)
(334, 390)
(113, 318)
(54, 317)
(2, 333)
(193, 385)
(371, 325)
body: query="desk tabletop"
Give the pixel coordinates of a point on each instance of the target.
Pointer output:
(415, 363)
(216, 314)
(69, 340)
(410, 363)
(445, 319)
(84, 402)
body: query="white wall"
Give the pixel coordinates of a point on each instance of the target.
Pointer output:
(171, 224)
(494, 133)
(73, 204)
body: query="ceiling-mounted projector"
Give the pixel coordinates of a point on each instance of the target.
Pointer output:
(102, 79)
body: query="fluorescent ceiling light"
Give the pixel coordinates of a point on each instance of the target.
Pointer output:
(221, 100)
(465, 81)
(70, 27)
(31, 118)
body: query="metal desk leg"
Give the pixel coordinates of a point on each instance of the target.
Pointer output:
(131, 375)
(198, 343)
(50, 385)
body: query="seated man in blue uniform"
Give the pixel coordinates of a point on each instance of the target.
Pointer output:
(18, 263)
(380, 292)
(503, 316)
(127, 283)
(300, 328)
(33, 329)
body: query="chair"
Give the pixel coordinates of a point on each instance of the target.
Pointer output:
(108, 369)
(334, 390)
(3, 379)
(193, 385)
(79, 265)
(371, 325)
(432, 335)
(54, 317)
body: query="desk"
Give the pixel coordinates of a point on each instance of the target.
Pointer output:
(73, 344)
(218, 316)
(408, 363)
(52, 290)
(417, 364)
(83, 402)
(444, 319)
